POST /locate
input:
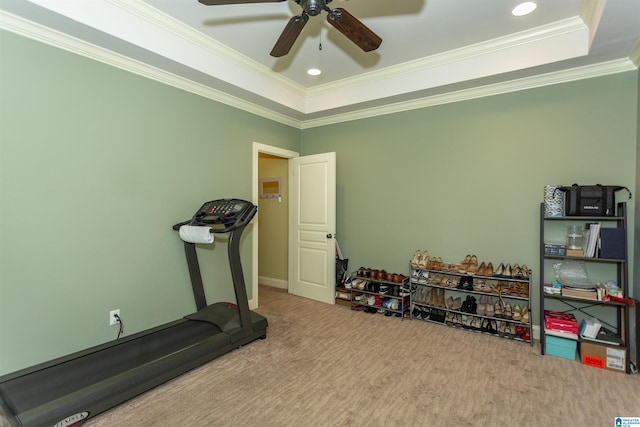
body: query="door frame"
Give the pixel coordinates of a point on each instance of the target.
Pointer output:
(255, 197)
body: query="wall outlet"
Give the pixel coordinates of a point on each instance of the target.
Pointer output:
(112, 317)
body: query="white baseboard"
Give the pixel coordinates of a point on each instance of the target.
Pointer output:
(276, 283)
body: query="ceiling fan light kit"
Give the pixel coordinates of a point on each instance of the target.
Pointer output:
(339, 18)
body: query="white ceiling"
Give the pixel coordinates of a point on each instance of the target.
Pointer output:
(433, 51)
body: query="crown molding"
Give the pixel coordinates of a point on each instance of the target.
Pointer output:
(591, 13)
(71, 44)
(516, 85)
(635, 55)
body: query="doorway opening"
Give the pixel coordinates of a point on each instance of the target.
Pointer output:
(272, 249)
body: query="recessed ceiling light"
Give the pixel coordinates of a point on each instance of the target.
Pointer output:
(314, 72)
(524, 8)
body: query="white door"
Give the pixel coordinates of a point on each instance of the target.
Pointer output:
(312, 227)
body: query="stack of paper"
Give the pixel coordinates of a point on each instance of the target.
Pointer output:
(580, 293)
(593, 240)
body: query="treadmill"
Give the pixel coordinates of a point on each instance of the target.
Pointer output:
(71, 389)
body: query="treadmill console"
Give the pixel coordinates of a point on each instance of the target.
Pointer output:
(224, 214)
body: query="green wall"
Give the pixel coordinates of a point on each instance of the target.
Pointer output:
(96, 165)
(468, 178)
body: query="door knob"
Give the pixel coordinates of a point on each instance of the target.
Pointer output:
(329, 236)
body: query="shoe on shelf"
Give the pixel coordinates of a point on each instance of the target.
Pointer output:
(525, 272)
(441, 302)
(508, 312)
(489, 307)
(516, 271)
(482, 306)
(468, 322)
(499, 272)
(502, 328)
(417, 258)
(473, 260)
(525, 314)
(517, 313)
(482, 270)
(448, 303)
(464, 264)
(424, 260)
(507, 271)
(457, 304)
(489, 272)
(472, 269)
(497, 309)
(473, 305)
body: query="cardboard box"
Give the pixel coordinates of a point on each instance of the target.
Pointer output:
(560, 347)
(343, 293)
(343, 302)
(613, 358)
(575, 252)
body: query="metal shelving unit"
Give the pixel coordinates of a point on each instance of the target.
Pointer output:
(468, 320)
(588, 308)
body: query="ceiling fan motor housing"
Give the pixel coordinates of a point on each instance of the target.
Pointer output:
(314, 7)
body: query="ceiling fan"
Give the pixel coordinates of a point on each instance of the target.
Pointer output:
(342, 20)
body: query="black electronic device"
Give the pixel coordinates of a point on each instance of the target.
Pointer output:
(223, 215)
(71, 389)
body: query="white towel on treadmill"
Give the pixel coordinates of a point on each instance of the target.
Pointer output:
(196, 234)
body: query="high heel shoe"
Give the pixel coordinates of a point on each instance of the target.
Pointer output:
(489, 272)
(482, 270)
(507, 271)
(499, 271)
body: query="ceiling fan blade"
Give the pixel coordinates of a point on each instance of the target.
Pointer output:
(355, 30)
(289, 35)
(220, 2)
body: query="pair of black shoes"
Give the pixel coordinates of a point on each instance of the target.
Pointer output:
(432, 314)
(489, 326)
(466, 283)
(469, 305)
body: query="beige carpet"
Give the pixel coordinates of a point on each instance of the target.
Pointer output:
(325, 365)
